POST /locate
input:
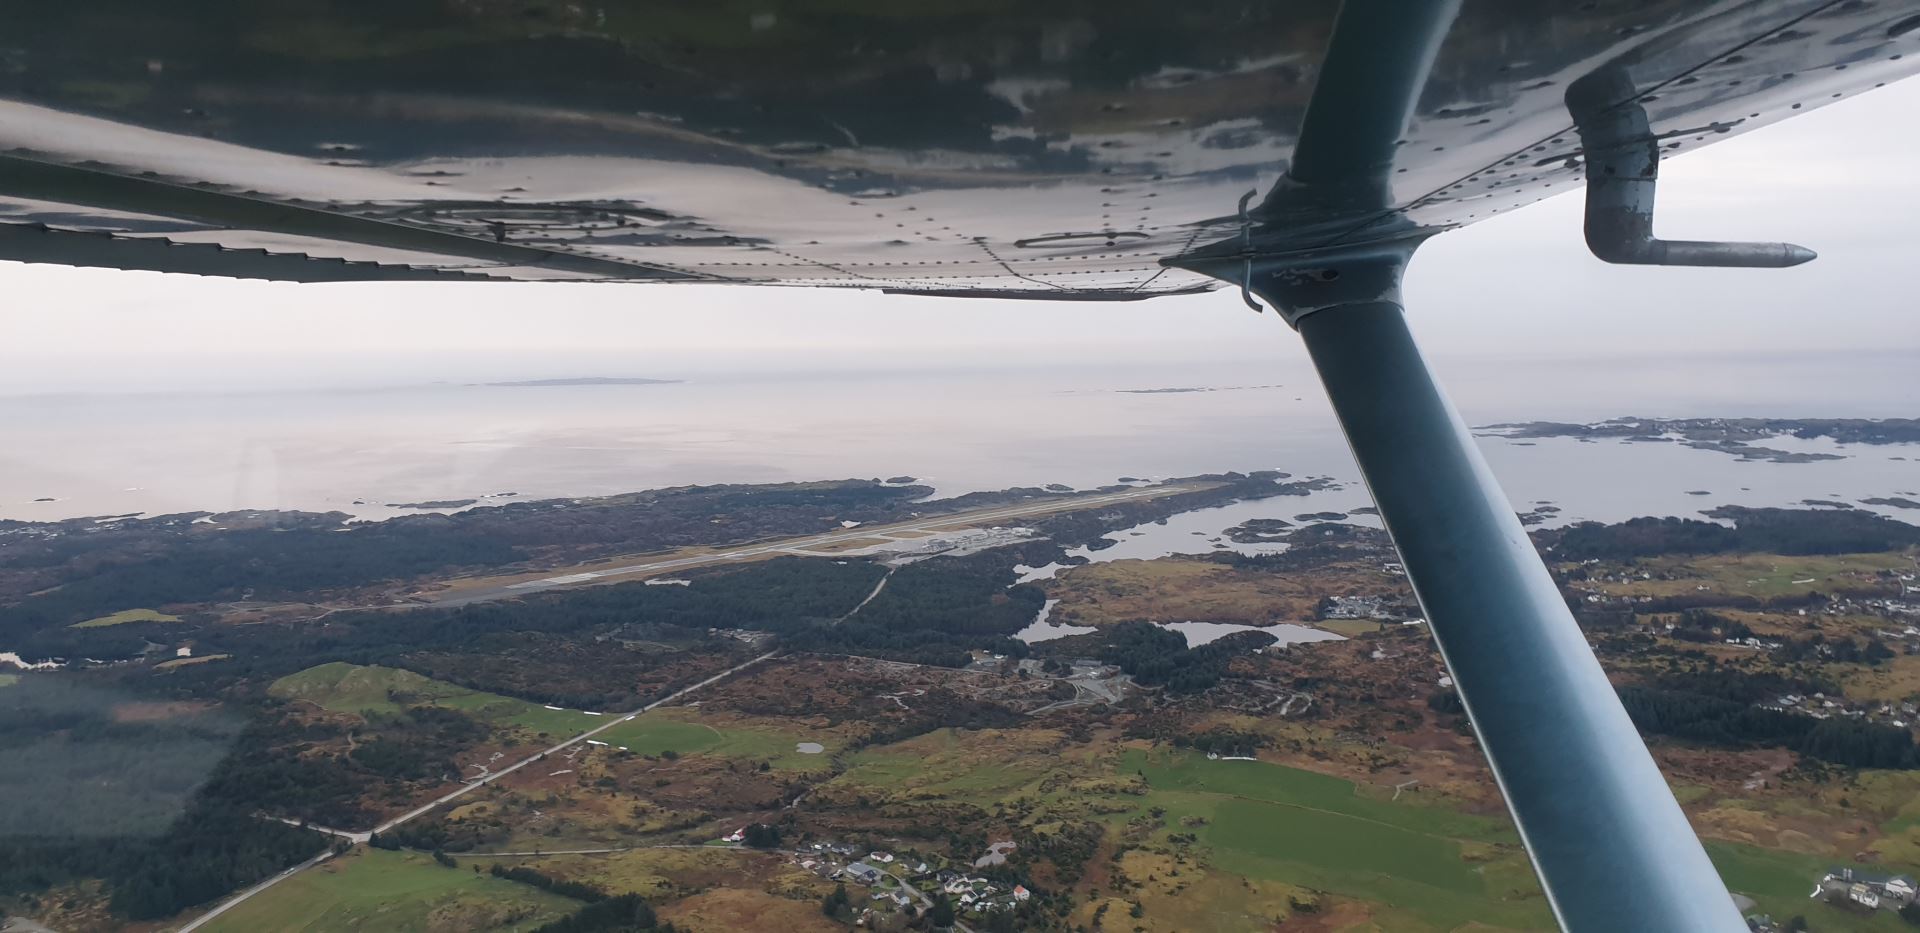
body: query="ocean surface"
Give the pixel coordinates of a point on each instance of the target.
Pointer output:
(358, 449)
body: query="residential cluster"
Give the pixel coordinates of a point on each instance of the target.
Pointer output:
(1821, 706)
(900, 882)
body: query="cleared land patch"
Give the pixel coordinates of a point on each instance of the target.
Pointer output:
(125, 616)
(374, 889)
(1188, 588)
(178, 663)
(660, 873)
(688, 731)
(352, 688)
(1763, 575)
(725, 910)
(983, 766)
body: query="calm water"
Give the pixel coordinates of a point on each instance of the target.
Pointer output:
(356, 450)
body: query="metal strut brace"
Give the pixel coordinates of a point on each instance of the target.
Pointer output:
(1246, 245)
(1623, 165)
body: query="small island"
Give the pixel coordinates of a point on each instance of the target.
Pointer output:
(1898, 502)
(1736, 436)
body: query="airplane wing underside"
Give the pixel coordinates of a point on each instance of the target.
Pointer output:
(1057, 151)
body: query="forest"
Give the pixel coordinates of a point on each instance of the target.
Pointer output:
(172, 559)
(213, 848)
(1158, 657)
(1768, 531)
(545, 882)
(936, 612)
(1715, 721)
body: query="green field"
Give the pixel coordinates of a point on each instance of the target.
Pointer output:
(983, 767)
(1273, 823)
(8, 680)
(352, 688)
(1763, 575)
(127, 615)
(373, 889)
(681, 732)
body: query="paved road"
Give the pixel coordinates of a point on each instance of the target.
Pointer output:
(1088, 691)
(926, 526)
(877, 587)
(422, 810)
(543, 853)
(22, 925)
(926, 903)
(256, 889)
(582, 737)
(346, 834)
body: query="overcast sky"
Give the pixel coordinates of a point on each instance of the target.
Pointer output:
(1840, 180)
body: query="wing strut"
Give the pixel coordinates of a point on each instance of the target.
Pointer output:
(1611, 846)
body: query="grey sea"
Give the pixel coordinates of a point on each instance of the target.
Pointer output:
(362, 449)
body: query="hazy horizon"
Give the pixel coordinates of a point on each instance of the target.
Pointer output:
(1519, 286)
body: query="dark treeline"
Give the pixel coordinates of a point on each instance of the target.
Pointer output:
(1870, 650)
(1313, 546)
(168, 559)
(1700, 718)
(959, 595)
(627, 912)
(88, 793)
(781, 595)
(936, 612)
(1771, 531)
(265, 771)
(940, 709)
(443, 835)
(1158, 657)
(545, 882)
(1223, 741)
(1705, 627)
(1728, 683)
(209, 851)
(222, 843)
(266, 562)
(858, 636)
(101, 643)
(416, 743)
